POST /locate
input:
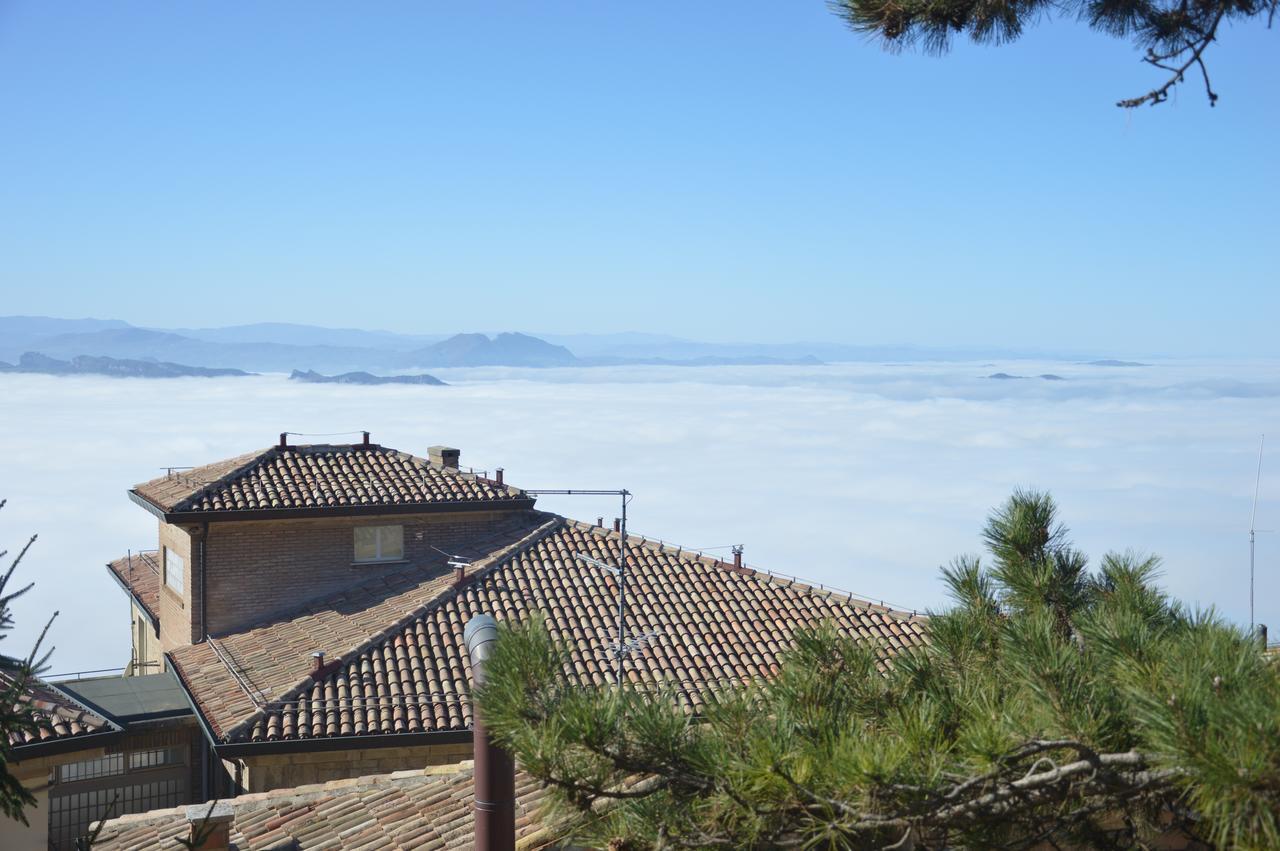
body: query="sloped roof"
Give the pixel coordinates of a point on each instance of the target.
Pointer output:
(318, 477)
(710, 624)
(422, 809)
(58, 716)
(232, 676)
(139, 574)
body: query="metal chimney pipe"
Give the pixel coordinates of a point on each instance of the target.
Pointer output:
(495, 770)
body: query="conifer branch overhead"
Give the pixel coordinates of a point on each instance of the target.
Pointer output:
(1174, 34)
(18, 716)
(1052, 705)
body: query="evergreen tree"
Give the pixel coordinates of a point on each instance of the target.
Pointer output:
(17, 713)
(1174, 34)
(1051, 704)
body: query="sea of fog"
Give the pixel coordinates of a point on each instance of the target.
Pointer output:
(865, 477)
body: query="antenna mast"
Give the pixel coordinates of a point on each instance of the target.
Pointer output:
(1252, 530)
(624, 646)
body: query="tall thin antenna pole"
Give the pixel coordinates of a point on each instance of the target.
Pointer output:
(622, 588)
(1252, 530)
(624, 646)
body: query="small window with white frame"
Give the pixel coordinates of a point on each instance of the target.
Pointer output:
(173, 567)
(379, 543)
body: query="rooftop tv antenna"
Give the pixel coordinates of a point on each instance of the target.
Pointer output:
(625, 646)
(1252, 530)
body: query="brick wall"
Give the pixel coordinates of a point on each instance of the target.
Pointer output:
(279, 771)
(255, 569)
(176, 626)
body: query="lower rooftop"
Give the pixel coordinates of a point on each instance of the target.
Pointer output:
(394, 660)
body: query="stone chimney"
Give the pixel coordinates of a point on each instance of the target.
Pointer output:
(210, 826)
(445, 456)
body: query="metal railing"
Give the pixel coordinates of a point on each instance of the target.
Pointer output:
(80, 675)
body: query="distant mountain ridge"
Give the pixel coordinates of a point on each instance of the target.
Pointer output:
(510, 349)
(310, 377)
(284, 347)
(34, 362)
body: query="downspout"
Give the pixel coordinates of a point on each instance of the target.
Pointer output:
(204, 535)
(495, 770)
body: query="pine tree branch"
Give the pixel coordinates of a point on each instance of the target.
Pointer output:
(1197, 48)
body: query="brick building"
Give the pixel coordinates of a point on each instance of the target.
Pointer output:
(311, 600)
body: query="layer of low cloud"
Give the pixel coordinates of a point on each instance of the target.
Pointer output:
(863, 477)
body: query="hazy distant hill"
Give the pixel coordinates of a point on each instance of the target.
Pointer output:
(363, 378)
(310, 335)
(607, 349)
(295, 347)
(115, 367)
(17, 333)
(144, 344)
(479, 350)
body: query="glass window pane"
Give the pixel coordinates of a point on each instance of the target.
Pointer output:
(173, 567)
(366, 543)
(392, 540)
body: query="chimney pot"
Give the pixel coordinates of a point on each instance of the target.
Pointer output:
(445, 456)
(617, 524)
(599, 522)
(459, 575)
(366, 438)
(284, 440)
(499, 475)
(210, 826)
(737, 557)
(317, 662)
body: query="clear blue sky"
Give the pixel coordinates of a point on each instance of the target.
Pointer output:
(713, 170)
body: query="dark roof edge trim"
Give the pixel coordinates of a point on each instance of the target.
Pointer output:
(196, 709)
(342, 743)
(110, 720)
(146, 503)
(66, 744)
(515, 504)
(137, 601)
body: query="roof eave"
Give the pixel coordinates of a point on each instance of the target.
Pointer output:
(150, 506)
(65, 744)
(137, 601)
(340, 743)
(337, 511)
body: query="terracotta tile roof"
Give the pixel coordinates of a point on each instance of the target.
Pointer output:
(233, 675)
(711, 626)
(58, 716)
(140, 573)
(318, 476)
(424, 809)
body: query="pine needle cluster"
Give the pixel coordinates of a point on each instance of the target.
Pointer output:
(18, 715)
(1173, 34)
(1053, 706)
